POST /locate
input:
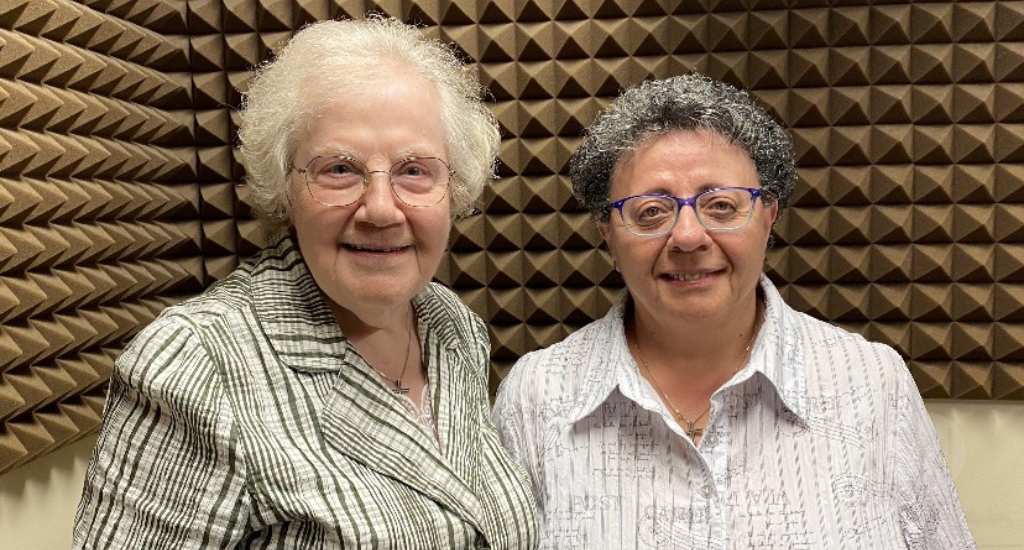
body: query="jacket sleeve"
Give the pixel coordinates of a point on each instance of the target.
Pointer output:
(929, 510)
(166, 472)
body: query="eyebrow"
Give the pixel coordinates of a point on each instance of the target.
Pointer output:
(665, 191)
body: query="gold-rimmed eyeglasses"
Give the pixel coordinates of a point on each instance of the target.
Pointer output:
(341, 180)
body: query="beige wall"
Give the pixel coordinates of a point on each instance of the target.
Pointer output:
(983, 442)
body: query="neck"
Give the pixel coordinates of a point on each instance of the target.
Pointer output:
(698, 352)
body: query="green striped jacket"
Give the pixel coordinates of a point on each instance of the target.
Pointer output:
(243, 419)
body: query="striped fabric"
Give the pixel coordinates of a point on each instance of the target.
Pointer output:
(820, 442)
(244, 419)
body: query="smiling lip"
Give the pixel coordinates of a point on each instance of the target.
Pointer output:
(690, 276)
(374, 249)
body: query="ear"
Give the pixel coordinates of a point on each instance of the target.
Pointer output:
(771, 212)
(604, 229)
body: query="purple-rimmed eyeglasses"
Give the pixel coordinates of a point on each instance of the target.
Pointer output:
(718, 209)
(341, 180)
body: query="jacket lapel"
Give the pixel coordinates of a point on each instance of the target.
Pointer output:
(363, 421)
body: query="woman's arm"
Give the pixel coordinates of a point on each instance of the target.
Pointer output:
(166, 471)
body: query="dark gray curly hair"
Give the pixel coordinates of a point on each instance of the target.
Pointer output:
(688, 102)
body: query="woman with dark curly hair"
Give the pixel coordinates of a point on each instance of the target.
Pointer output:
(702, 411)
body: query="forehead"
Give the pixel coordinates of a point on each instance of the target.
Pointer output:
(684, 161)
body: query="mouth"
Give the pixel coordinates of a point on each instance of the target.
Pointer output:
(372, 248)
(689, 277)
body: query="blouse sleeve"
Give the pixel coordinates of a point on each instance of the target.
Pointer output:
(930, 513)
(166, 472)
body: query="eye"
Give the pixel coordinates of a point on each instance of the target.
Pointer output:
(412, 168)
(337, 167)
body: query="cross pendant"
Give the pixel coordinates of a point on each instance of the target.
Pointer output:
(693, 431)
(399, 388)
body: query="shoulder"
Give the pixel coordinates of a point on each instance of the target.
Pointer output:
(557, 373)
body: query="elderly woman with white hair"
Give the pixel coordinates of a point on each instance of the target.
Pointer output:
(326, 394)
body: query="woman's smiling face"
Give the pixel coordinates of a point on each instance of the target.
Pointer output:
(689, 274)
(376, 253)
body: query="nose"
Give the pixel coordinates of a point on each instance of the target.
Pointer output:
(688, 233)
(379, 205)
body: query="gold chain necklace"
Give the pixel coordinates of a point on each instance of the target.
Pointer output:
(400, 389)
(691, 430)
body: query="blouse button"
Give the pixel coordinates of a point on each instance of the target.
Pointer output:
(711, 439)
(707, 491)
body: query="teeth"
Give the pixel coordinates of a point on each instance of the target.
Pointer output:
(357, 247)
(688, 276)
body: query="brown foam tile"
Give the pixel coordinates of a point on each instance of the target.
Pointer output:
(10, 352)
(220, 237)
(587, 267)
(24, 441)
(805, 226)
(465, 270)
(1007, 304)
(850, 146)
(1008, 381)
(251, 237)
(26, 383)
(974, 103)
(10, 399)
(127, 324)
(973, 223)
(215, 164)
(98, 198)
(82, 289)
(971, 342)
(934, 380)
(83, 335)
(890, 104)
(890, 302)
(208, 52)
(1009, 143)
(848, 26)
(974, 183)
(10, 303)
(849, 302)
(1006, 342)
(767, 70)
(888, 224)
(509, 342)
(242, 51)
(106, 288)
(1009, 262)
(972, 302)
(932, 223)
(928, 341)
(890, 24)
(808, 28)
(60, 383)
(805, 107)
(973, 263)
(1006, 223)
(32, 345)
(849, 264)
(508, 305)
(28, 249)
(811, 146)
(1009, 101)
(127, 285)
(973, 144)
(218, 268)
(106, 329)
(31, 298)
(972, 380)
(23, 201)
(204, 17)
(807, 68)
(890, 64)
(239, 16)
(930, 303)
(932, 263)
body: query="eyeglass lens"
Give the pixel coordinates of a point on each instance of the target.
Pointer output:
(340, 181)
(717, 210)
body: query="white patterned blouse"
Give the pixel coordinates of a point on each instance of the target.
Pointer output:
(820, 442)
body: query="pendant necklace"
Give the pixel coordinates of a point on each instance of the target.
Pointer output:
(400, 388)
(692, 430)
